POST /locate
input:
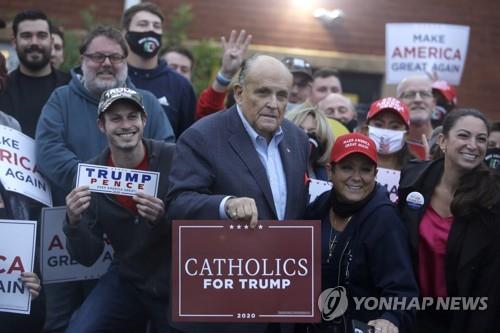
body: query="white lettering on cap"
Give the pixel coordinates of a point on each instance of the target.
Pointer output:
(299, 62)
(390, 103)
(126, 92)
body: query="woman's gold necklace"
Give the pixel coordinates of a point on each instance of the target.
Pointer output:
(333, 242)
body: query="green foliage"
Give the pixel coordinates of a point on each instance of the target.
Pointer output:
(73, 37)
(179, 21)
(71, 50)
(88, 17)
(206, 52)
(207, 55)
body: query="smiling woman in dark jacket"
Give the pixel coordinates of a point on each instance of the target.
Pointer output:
(364, 243)
(452, 209)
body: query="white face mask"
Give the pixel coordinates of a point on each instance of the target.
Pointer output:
(387, 141)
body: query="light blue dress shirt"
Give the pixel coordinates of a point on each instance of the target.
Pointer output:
(270, 157)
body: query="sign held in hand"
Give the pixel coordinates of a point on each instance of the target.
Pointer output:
(225, 271)
(18, 170)
(17, 255)
(119, 181)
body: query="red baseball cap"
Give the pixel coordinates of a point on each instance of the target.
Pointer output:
(392, 104)
(448, 91)
(351, 143)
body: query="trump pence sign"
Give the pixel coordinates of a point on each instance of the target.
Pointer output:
(225, 271)
(119, 181)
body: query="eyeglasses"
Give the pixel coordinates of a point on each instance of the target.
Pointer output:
(99, 58)
(411, 94)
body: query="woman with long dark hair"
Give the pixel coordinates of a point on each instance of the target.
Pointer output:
(452, 208)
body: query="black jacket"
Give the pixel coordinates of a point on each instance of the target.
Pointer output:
(373, 257)
(25, 103)
(142, 251)
(472, 262)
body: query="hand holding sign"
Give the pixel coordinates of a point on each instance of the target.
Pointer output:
(119, 181)
(383, 325)
(242, 209)
(32, 282)
(149, 207)
(77, 201)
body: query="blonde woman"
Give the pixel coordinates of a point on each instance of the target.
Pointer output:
(315, 124)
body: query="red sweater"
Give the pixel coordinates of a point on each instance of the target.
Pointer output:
(125, 200)
(210, 101)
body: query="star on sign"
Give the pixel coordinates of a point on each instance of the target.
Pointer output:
(246, 227)
(260, 226)
(239, 227)
(231, 227)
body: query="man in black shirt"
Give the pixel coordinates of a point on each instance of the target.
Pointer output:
(30, 85)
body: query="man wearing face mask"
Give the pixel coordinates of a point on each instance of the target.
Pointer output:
(387, 123)
(142, 27)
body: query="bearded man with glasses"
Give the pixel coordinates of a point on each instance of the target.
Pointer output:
(416, 92)
(67, 134)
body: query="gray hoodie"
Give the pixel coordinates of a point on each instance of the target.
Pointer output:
(67, 132)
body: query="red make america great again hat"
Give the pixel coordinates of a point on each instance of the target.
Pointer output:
(351, 143)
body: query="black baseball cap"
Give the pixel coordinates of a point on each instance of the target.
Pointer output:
(298, 65)
(112, 95)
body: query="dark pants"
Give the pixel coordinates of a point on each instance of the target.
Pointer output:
(116, 305)
(62, 300)
(19, 323)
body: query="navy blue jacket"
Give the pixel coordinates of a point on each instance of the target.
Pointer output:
(373, 255)
(216, 158)
(174, 92)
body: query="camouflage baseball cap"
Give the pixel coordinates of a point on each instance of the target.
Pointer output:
(298, 65)
(112, 95)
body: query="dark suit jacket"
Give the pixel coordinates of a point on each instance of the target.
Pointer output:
(215, 158)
